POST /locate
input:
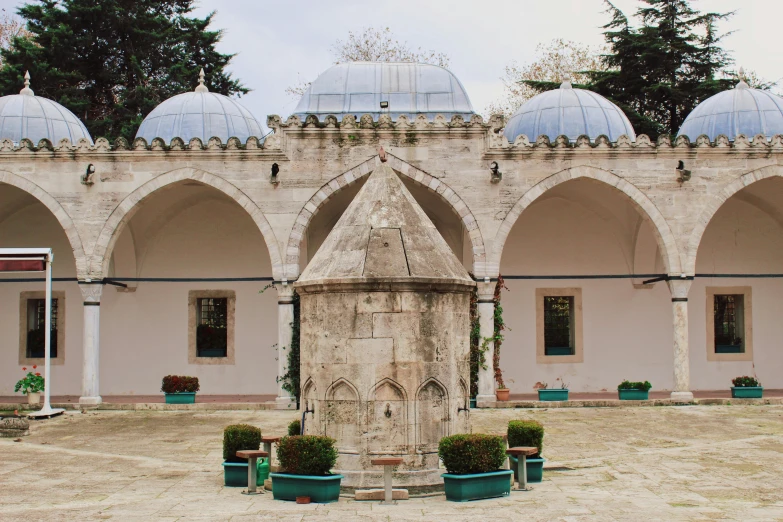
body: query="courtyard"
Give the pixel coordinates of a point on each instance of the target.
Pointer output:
(626, 463)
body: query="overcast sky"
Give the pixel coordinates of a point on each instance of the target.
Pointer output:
(279, 42)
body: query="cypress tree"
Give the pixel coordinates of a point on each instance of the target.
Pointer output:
(112, 62)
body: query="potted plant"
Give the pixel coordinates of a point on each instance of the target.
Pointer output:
(634, 391)
(295, 427)
(31, 385)
(528, 433)
(238, 437)
(305, 463)
(746, 387)
(502, 393)
(473, 467)
(545, 393)
(180, 389)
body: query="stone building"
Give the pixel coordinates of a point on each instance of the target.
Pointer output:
(624, 258)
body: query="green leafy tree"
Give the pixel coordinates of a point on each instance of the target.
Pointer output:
(112, 62)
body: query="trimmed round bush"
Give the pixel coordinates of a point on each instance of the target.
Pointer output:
(239, 437)
(472, 453)
(306, 454)
(527, 433)
(295, 428)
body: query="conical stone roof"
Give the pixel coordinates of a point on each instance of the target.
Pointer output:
(384, 236)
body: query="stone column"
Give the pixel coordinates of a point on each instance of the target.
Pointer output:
(682, 376)
(486, 310)
(91, 343)
(285, 319)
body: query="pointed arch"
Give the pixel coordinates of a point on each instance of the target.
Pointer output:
(125, 210)
(432, 414)
(387, 417)
(663, 233)
(446, 193)
(59, 213)
(342, 418)
(386, 381)
(716, 202)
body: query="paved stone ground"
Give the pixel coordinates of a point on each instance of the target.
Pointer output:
(653, 463)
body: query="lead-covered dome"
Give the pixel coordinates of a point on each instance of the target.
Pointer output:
(199, 114)
(740, 110)
(569, 112)
(26, 115)
(358, 88)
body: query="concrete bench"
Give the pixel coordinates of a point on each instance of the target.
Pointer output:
(522, 453)
(252, 472)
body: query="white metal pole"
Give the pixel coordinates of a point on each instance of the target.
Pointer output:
(48, 331)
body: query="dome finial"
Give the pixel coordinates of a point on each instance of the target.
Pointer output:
(201, 87)
(27, 90)
(742, 83)
(566, 81)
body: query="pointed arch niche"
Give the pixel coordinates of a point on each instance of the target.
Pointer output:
(179, 242)
(341, 416)
(387, 418)
(582, 241)
(432, 415)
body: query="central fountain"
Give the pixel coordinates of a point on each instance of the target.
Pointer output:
(385, 325)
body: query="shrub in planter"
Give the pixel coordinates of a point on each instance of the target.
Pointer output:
(474, 453)
(305, 462)
(528, 433)
(746, 387)
(295, 428)
(638, 391)
(473, 465)
(180, 389)
(238, 437)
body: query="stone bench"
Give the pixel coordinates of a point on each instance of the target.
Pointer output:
(522, 453)
(252, 472)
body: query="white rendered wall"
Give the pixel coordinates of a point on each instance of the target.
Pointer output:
(583, 228)
(26, 223)
(744, 237)
(144, 334)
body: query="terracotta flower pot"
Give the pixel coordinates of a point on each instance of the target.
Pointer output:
(502, 395)
(34, 398)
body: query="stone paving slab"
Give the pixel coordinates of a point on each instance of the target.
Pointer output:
(689, 463)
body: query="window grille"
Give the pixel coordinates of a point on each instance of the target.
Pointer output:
(212, 327)
(36, 328)
(558, 325)
(729, 324)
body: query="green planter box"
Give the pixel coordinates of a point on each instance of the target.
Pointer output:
(535, 469)
(321, 489)
(235, 474)
(462, 488)
(633, 395)
(181, 398)
(747, 392)
(552, 395)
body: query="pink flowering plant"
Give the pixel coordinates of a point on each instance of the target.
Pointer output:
(32, 382)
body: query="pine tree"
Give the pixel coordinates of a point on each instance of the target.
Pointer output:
(112, 62)
(659, 72)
